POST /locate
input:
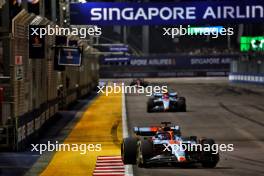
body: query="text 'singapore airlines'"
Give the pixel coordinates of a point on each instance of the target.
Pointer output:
(166, 13)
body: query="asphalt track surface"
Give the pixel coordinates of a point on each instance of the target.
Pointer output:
(215, 109)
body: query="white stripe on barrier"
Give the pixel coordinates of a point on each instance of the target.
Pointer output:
(246, 78)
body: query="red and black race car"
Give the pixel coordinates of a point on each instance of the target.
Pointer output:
(139, 82)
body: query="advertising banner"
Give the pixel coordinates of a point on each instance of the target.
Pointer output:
(152, 61)
(204, 12)
(18, 60)
(36, 43)
(118, 48)
(19, 72)
(185, 61)
(70, 57)
(109, 59)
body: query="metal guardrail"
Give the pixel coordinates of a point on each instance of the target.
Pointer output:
(3, 136)
(6, 112)
(247, 78)
(5, 127)
(5, 79)
(31, 102)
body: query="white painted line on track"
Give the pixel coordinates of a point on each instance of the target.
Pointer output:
(128, 168)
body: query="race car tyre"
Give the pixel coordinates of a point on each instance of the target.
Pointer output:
(173, 107)
(182, 104)
(150, 105)
(132, 84)
(144, 84)
(209, 159)
(193, 138)
(129, 150)
(145, 151)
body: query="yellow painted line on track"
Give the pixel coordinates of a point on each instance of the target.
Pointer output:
(101, 123)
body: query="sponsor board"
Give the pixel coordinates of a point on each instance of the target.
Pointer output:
(18, 60)
(185, 61)
(167, 74)
(126, 13)
(163, 74)
(118, 48)
(36, 43)
(19, 72)
(116, 59)
(70, 57)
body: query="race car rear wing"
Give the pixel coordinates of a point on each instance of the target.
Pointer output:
(173, 94)
(151, 131)
(157, 95)
(145, 131)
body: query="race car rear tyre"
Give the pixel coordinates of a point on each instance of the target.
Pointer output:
(144, 84)
(182, 104)
(133, 83)
(129, 150)
(150, 105)
(209, 159)
(145, 151)
(193, 138)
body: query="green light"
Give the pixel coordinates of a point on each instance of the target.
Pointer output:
(251, 43)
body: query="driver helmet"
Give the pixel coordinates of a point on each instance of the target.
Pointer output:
(163, 136)
(166, 95)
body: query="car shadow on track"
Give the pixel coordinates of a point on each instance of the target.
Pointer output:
(187, 167)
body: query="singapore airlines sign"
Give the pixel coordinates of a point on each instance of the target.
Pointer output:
(102, 13)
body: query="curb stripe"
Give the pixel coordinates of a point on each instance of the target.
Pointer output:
(113, 170)
(111, 173)
(109, 166)
(109, 161)
(109, 157)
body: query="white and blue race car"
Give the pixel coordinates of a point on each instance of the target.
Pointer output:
(164, 144)
(162, 102)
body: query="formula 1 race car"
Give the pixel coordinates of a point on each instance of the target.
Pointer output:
(139, 82)
(166, 102)
(162, 145)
